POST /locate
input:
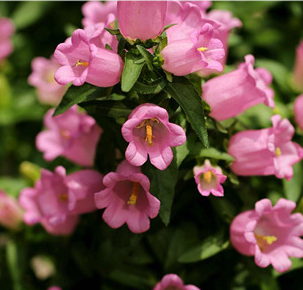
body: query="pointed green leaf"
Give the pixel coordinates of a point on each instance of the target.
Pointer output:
(153, 88)
(183, 91)
(147, 55)
(293, 187)
(131, 71)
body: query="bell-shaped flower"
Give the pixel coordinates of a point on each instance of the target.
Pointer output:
(42, 77)
(57, 199)
(72, 134)
(173, 282)
(298, 69)
(141, 20)
(267, 151)
(11, 214)
(209, 179)
(298, 111)
(230, 94)
(82, 61)
(149, 132)
(6, 31)
(126, 199)
(201, 50)
(270, 233)
(96, 12)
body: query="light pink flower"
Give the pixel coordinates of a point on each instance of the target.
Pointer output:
(42, 77)
(126, 199)
(72, 134)
(54, 288)
(173, 282)
(298, 69)
(267, 151)
(6, 31)
(201, 50)
(57, 199)
(82, 61)
(231, 94)
(141, 20)
(11, 214)
(149, 131)
(209, 179)
(96, 12)
(298, 110)
(270, 233)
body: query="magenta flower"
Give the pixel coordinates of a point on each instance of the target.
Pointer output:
(149, 131)
(96, 12)
(298, 111)
(126, 199)
(199, 51)
(173, 282)
(11, 214)
(231, 94)
(298, 69)
(57, 199)
(82, 61)
(141, 20)
(209, 179)
(267, 151)
(72, 134)
(42, 77)
(6, 31)
(270, 233)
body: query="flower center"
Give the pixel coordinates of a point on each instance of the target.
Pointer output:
(65, 134)
(149, 129)
(63, 197)
(133, 198)
(264, 241)
(207, 176)
(278, 151)
(84, 63)
(202, 48)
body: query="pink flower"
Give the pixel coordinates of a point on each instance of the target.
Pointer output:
(6, 31)
(267, 151)
(42, 77)
(82, 61)
(201, 50)
(96, 12)
(149, 131)
(209, 179)
(173, 282)
(298, 110)
(270, 233)
(11, 214)
(72, 134)
(141, 20)
(126, 199)
(54, 288)
(57, 199)
(298, 70)
(231, 94)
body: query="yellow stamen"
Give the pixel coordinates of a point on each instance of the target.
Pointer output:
(264, 241)
(85, 63)
(134, 195)
(63, 197)
(278, 151)
(202, 48)
(207, 176)
(65, 134)
(148, 129)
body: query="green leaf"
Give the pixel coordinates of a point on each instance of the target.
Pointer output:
(163, 186)
(113, 31)
(12, 186)
(183, 150)
(209, 247)
(131, 71)
(13, 264)
(212, 153)
(76, 95)
(154, 87)
(183, 91)
(292, 188)
(147, 56)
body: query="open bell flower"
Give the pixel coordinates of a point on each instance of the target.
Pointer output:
(72, 134)
(209, 179)
(267, 151)
(126, 199)
(173, 282)
(57, 200)
(141, 20)
(149, 132)
(230, 94)
(270, 233)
